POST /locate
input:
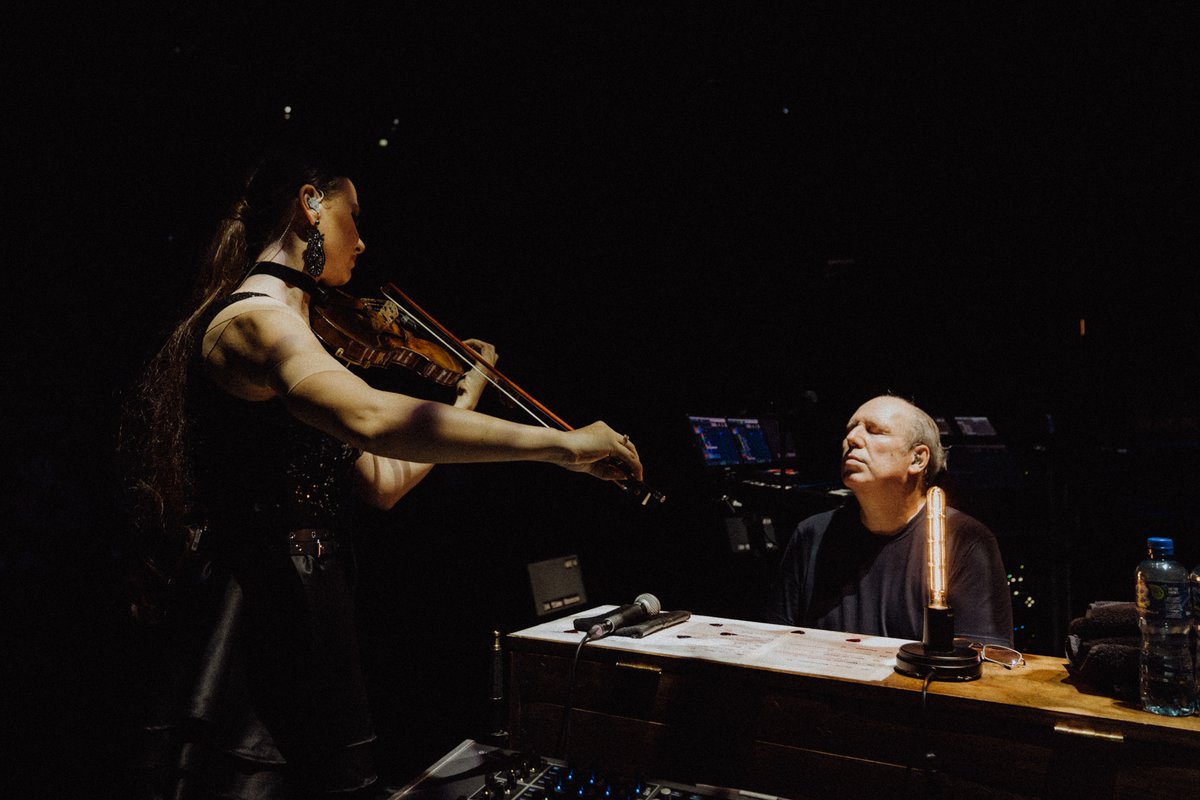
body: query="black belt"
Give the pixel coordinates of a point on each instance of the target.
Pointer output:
(312, 542)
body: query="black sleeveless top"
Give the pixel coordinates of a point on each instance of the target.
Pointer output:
(257, 464)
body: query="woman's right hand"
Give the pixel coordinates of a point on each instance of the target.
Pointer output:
(589, 448)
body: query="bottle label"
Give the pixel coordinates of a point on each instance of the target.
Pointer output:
(1163, 600)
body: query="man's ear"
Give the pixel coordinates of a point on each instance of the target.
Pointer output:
(920, 459)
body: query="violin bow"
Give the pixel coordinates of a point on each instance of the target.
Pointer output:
(637, 489)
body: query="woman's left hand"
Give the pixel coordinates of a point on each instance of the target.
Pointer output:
(473, 382)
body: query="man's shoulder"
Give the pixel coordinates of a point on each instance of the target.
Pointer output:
(807, 536)
(822, 520)
(965, 525)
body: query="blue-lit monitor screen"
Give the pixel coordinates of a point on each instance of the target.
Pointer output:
(752, 441)
(716, 441)
(731, 442)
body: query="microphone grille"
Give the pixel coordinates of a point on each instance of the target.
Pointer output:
(648, 602)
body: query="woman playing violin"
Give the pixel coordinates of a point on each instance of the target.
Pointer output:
(256, 438)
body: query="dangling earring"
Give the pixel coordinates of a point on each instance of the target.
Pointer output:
(314, 252)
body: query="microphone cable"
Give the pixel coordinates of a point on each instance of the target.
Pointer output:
(564, 733)
(646, 605)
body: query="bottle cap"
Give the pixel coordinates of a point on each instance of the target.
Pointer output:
(1160, 546)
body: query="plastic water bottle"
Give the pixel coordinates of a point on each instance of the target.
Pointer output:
(1194, 582)
(1168, 679)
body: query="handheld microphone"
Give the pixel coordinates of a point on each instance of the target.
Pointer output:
(656, 622)
(644, 606)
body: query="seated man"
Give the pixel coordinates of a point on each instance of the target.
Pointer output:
(862, 567)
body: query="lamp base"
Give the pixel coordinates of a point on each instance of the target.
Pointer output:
(915, 661)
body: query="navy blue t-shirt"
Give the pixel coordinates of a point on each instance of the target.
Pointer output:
(836, 575)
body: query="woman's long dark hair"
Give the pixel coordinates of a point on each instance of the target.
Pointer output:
(154, 442)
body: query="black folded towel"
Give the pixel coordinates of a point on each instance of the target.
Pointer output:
(1102, 648)
(1107, 618)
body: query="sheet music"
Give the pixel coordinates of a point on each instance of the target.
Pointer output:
(804, 651)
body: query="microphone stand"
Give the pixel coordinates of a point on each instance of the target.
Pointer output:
(499, 735)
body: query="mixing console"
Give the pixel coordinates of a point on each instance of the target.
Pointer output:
(474, 771)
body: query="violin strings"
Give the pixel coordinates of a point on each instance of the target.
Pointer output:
(429, 321)
(475, 366)
(630, 485)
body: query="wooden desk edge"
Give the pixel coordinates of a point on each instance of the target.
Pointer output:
(1042, 687)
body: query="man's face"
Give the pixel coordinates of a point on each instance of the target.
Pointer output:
(876, 446)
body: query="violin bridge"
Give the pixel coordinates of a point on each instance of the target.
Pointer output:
(388, 313)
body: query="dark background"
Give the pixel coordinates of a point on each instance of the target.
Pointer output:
(714, 209)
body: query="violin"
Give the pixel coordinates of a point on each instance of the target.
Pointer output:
(382, 332)
(370, 332)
